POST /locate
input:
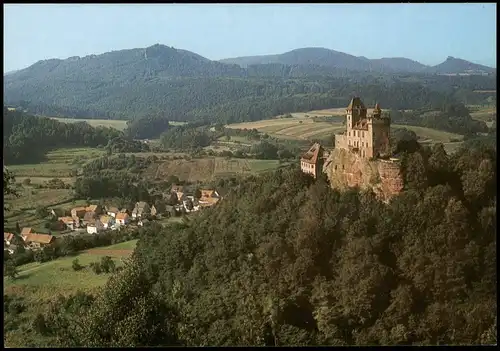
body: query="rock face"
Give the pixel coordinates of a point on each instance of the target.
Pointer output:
(347, 169)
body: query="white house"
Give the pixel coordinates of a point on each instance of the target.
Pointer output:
(95, 227)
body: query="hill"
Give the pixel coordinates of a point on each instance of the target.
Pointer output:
(332, 58)
(179, 85)
(455, 65)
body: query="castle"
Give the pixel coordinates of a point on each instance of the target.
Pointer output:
(366, 135)
(360, 157)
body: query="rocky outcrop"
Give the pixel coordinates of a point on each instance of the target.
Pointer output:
(347, 169)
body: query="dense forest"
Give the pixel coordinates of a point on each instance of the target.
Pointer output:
(286, 260)
(180, 86)
(28, 138)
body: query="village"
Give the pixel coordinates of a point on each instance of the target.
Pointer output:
(94, 219)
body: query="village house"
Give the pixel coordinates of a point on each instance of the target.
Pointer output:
(312, 161)
(25, 231)
(209, 197)
(78, 212)
(8, 238)
(95, 226)
(141, 209)
(112, 211)
(89, 217)
(96, 209)
(153, 211)
(57, 212)
(37, 241)
(142, 222)
(69, 222)
(107, 221)
(191, 204)
(122, 218)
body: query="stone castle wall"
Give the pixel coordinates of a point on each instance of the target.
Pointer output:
(346, 169)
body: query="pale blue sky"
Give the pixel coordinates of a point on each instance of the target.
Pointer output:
(427, 33)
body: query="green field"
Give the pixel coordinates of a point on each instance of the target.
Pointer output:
(487, 113)
(209, 168)
(301, 127)
(43, 280)
(431, 135)
(111, 123)
(39, 283)
(58, 163)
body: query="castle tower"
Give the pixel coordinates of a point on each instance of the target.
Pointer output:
(366, 135)
(355, 111)
(381, 131)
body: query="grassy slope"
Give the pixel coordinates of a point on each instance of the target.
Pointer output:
(58, 164)
(40, 283)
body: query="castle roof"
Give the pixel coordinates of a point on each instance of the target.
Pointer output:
(356, 103)
(312, 154)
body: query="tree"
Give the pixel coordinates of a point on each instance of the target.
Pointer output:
(96, 267)
(41, 212)
(10, 269)
(107, 264)
(127, 313)
(76, 265)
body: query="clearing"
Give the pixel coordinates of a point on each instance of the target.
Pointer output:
(111, 123)
(208, 168)
(485, 113)
(298, 127)
(58, 163)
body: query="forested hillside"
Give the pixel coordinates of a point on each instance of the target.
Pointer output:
(182, 86)
(27, 138)
(286, 260)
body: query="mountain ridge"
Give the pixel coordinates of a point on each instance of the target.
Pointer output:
(324, 58)
(315, 56)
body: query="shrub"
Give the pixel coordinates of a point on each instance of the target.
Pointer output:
(76, 265)
(96, 267)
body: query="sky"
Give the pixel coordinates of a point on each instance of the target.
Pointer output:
(427, 33)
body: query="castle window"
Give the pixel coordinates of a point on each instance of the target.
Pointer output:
(363, 134)
(335, 167)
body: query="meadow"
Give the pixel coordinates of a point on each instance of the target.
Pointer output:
(39, 283)
(208, 168)
(486, 113)
(44, 279)
(111, 123)
(60, 163)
